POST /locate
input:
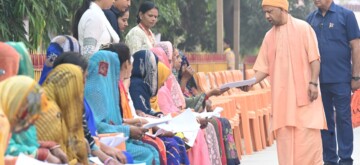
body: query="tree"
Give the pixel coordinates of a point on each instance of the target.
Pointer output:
(253, 25)
(44, 17)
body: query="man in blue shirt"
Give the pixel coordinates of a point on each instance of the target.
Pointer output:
(338, 36)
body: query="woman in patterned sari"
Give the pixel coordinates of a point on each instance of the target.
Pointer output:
(102, 94)
(221, 126)
(62, 123)
(22, 101)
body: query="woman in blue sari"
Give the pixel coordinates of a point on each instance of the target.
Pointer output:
(102, 94)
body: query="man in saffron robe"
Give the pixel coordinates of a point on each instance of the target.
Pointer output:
(289, 56)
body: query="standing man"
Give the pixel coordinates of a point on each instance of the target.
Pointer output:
(112, 14)
(338, 35)
(230, 56)
(290, 57)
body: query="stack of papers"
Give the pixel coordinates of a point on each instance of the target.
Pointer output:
(238, 83)
(185, 122)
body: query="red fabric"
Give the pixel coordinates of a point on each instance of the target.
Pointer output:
(221, 141)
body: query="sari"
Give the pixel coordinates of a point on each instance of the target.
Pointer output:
(9, 61)
(144, 81)
(25, 65)
(14, 93)
(102, 94)
(175, 88)
(58, 45)
(63, 122)
(26, 141)
(150, 78)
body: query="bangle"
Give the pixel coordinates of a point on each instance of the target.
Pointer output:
(312, 83)
(107, 160)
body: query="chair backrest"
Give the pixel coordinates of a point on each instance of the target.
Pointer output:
(201, 78)
(237, 75)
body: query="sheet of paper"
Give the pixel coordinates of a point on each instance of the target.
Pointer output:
(191, 136)
(113, 141)
(184, 122)
(27, 160)
(96, 160)
(154, 122)
(215, 113)
(238, 83)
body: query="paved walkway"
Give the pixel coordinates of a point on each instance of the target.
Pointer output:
(269, 155)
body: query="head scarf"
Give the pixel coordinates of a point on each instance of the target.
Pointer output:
(174, 87)
(16, 91)
(9, 61)
(166, 105)
(25, 66)
(168, 48)
(64, 87)
(144, 80)
(58, 45)
(284, 4)
(102, 92)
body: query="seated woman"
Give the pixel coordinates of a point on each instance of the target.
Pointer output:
(22, 102)
(199, 151)
(105, 153)
(222, 125)
(171, 154)
(26, 141)
(102, 94)
(62, 123)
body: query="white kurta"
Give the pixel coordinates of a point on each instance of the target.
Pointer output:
(95, 30)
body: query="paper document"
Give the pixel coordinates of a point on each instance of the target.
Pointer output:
(215, 113)
(238, 83)
(191, 136)
(27, 160)
(154, 122)
(96, 160)
(113, 141)
(185, 121)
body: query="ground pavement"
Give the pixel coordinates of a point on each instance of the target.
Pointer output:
(269, 155)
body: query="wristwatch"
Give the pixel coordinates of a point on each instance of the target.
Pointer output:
(357, 78)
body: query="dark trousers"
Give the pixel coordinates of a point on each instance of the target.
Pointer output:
(338, 139)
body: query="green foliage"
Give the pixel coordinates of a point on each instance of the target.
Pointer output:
(45, 17)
